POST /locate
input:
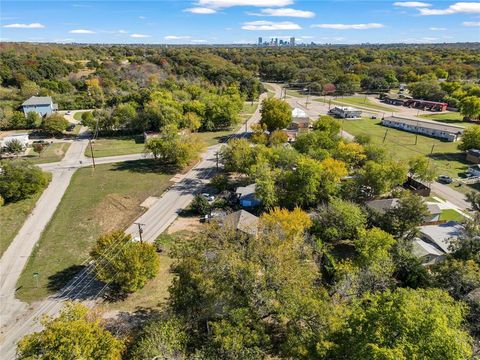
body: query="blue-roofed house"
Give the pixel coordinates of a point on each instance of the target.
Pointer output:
(42, 105)
(246, 196)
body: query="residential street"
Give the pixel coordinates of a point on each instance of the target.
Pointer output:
(22, 320)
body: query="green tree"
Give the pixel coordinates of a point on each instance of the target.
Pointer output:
(276, 114)
(33, 120)
(55, 124)
(75, 334)
(470, 138)
(338, 220)
(421, 169)
(38, 148)
(124, 115)
(404, 324)
(17, 121)
(19, 179)
(378, 178)
(329, 125)
(237, 156)
(200, 205)
(88, 119)
(373, 246)
(265, 189)
(29, 88)
(130, 266)
(470, 107)
(458, 277)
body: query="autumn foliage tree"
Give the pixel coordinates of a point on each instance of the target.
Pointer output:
(276, 114)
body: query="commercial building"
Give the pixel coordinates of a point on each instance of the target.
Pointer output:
(42, 105)
(424, 127)
(260, 41)
(346, 112)
(405, 100)
(292, 41)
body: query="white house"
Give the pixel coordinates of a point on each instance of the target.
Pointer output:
(42, 105)
(300, 119)
(424, 127)
(346, 112)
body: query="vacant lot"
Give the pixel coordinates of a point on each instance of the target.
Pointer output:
(95, 202)
(452, 118)
(360, 102)
(12, 217)
(116, 146)
(52, 153)
(445, 156)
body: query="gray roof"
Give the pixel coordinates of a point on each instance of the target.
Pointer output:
(38, 100)
(248, 190)
(243, 221)
(429, 124)
(383, 205)
(442, 234)
(422, 248)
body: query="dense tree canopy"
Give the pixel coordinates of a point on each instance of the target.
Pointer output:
(19, 179)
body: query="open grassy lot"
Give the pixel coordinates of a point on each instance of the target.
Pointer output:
(12, 217)
(359, 102)
(78, 116)
(52, 153)
(451, 215)
(95, 202)
(452, 118)
(116, 146)
(401, 144)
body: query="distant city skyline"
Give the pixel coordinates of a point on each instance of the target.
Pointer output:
(240, 21)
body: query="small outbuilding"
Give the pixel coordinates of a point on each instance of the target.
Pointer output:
(473, 156)
(246, 196)
(42, 105)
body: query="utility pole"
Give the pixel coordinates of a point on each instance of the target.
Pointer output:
(140, 230)
(91, 151)
(385, 136)
(216, 155)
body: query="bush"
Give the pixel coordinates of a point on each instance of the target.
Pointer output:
(19, 179)
(200, 205)
(55, 124)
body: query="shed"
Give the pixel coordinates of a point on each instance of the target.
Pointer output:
(246, 196)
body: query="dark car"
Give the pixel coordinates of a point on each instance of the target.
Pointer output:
(444, 179)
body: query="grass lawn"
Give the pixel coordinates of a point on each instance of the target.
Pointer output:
(359, 102)
(52, 153)
(447, 158)
(12, 217)
(451, 215)
(249, 108)
(116, 146)
(95, 202)
(78, 116)
(452, 118)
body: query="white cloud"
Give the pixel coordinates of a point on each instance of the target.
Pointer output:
(306, 37)
(81, 31)
(221, 4)
(142, 17)
(139, 36)
(270, 25)
(457, 8)
(412, 4)
(427, 38)
(437, 29)
(25, 26)
(349, 26)
(200, 10)
(285, 12)
(198, 41)
(471, 23)
(176, 37)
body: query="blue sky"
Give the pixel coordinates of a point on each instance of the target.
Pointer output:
(239, 21)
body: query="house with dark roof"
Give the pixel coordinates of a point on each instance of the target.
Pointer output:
(473, 156)
(383, 205)
(42, 105)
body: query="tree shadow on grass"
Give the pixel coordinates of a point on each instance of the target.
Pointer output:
(145, 166)
(58, 280)
(457, 157)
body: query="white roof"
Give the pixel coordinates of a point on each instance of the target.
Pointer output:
(347, 108)
(442, 234)
(299, 113)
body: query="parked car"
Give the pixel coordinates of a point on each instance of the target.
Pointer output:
(444, 179)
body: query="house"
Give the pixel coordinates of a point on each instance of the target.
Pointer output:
(424, 127)
(300, 119)
(433, 243)
(147, 135)
(42, 105)
(382, 206)
(22, 138)
(346, 112)
(246, 196)
(441, 235)
(428, 253)
(473, 156)
(243, 222)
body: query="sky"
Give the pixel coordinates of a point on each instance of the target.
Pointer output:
(239, 21)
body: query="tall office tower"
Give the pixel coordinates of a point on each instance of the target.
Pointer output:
(276, 41)
(292, 41)
(260, 41)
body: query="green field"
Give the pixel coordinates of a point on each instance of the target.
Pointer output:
(52, 153)
(451, 215)
(78, 116)
(360, 102)
(12, 217)
(452, 118)
(115, 146)
(446, 157)
(95, 202)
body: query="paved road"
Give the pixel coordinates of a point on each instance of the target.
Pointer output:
(156, 220)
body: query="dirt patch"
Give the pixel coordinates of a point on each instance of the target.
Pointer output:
(115, 211)
(191, 224)
(60, 151)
